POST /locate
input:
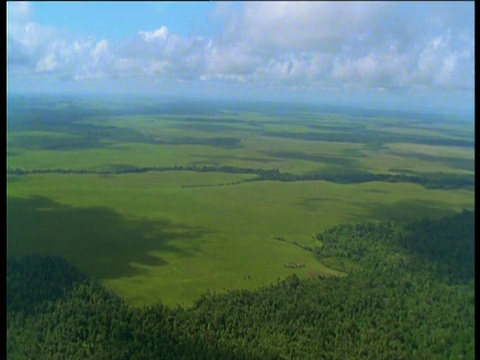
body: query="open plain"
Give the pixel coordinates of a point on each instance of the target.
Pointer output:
(165, 201)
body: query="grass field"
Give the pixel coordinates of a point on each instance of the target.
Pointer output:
(173, 235)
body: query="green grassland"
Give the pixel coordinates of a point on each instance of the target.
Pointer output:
(171, 236)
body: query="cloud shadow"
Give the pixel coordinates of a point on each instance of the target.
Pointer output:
(98, 240)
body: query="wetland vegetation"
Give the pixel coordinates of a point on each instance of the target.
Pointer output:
(221, 230)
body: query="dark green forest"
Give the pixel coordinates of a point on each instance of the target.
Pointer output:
(407, 293)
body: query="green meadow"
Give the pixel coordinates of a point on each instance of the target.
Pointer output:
(166, 203)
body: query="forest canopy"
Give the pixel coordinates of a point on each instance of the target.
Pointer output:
(408, 294)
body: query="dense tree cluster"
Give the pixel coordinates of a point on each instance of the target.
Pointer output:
(220, 142)
(395, 303)
(446, 247)
(453, 255)
(28, 287)
(347, 175)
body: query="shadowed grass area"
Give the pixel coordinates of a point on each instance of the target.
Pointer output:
(374, 138)
(334, 160)
(407, 210)
(88, 237)
(204, 127)
(315, 204)
(451, 162)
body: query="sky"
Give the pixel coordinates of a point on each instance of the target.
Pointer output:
(396, 55)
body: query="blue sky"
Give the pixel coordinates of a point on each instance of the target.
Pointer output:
(412, 55)
(124, 18)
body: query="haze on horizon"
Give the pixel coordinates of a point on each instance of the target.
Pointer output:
(405, 56)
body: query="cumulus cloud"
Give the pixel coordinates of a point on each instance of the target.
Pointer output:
(304, 46)
(47, 63)
(99, 52)
(19, 11)
(26, 41)
(159, 34)
(377, 45)
(304, 26)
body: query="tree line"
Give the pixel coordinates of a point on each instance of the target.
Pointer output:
(404, 297)
(437, 180)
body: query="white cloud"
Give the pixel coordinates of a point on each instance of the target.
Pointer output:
(303, 46)
(25, 41)
(158, 67)
(236, 59)
(161, 33)
(86, 74)
(100, 52)
(377, 45)
(442, 63)
(303, 26)
(18, 11)
(125, 65)
(48, 63)
(449, 65)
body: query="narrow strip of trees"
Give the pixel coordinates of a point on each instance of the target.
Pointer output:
(437, 180)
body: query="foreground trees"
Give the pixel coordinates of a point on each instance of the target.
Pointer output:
(409, 294)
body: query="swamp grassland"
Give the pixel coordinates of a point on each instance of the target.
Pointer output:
(168, 201)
